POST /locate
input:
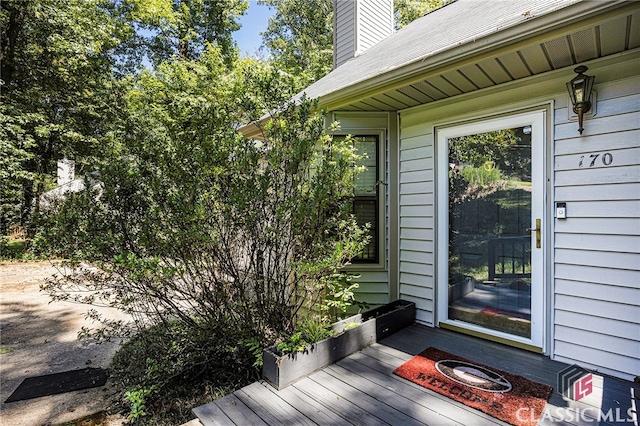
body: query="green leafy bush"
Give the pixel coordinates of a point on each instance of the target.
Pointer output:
(213, 241)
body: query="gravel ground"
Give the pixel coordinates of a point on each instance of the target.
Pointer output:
(38, 338)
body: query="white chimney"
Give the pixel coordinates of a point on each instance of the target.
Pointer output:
(66, 171)
(358, 25)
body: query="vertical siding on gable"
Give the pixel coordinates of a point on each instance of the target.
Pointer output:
(344, 21)
(597, 248)
(417, 217)
(358, 25)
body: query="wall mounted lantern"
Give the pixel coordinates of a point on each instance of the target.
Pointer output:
(580, 92)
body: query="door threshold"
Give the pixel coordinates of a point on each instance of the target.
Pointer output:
(491, 337)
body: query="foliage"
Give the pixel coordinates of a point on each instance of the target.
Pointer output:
(138, 399)
(309, 330)
(502, 148)
(488, 198)
(339, 294)
(407, 11)
(201, 234)
(14, 250)
(255, 347)
(66, 67)
(57, 95)
(150, 368)
(299, 37)
(482, 176)
(15, 153)
(169, 29)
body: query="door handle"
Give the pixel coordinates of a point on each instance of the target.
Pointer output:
(538, 230)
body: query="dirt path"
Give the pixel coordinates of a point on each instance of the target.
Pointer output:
(39, 338)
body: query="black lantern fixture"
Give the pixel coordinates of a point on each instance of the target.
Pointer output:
(580, 92)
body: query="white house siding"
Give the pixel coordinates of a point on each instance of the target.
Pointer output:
(417, 229)
(597, 248)
(374, 282)
(358, 25)
(594, 293)
(375, 22)
(344, 36)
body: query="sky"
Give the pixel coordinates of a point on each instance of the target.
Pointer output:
(253, 22)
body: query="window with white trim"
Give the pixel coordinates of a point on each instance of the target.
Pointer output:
(366, 197)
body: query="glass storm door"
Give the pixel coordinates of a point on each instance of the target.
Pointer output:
(492, 196)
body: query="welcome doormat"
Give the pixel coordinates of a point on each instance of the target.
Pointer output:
(508, 397)
(52, 384)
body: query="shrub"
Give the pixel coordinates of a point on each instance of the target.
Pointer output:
(213, 241)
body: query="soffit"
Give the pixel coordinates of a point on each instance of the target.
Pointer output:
(611, 32)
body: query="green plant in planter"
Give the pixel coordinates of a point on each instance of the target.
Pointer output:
(310, 329)
(350, 325)
(339, 295)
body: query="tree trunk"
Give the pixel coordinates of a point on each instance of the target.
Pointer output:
(7, 53)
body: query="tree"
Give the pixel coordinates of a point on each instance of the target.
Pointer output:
(56, 93)
(163, 29)
(15, 147)
(407, 11)
(65, 68)
(300, 38)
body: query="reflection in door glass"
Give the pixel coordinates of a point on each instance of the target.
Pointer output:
(490, 192)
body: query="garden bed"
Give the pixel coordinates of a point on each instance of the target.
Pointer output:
(282, 370)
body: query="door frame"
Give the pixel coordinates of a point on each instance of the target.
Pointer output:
(540, 302)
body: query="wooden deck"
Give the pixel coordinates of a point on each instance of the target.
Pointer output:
(361, 390)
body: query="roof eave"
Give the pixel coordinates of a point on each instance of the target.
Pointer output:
(547, 26)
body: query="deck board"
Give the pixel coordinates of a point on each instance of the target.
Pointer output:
(212, 414)
(237, 412)
(362, 389)
(417, 412)
(363, 399)
(447, 408)
(352, 413)
(270, 407)
(308, 406)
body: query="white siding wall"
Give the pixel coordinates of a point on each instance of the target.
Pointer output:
(375, 22)
(344, 34)
(417, 230)
(594, 316)
(597, 248)
(358, 25)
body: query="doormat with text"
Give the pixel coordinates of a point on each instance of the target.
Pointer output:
(52, 384)
(508, 397)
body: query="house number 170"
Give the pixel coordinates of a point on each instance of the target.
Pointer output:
(606, 158)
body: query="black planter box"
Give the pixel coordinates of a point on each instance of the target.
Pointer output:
(282, 370)
(375, 325)
(391, 317)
